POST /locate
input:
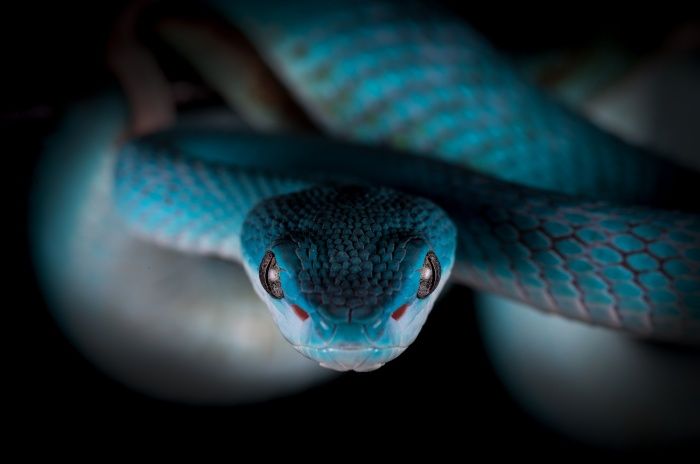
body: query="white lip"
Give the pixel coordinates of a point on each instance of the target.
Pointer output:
(359, 358)
(361, 368)
(347, 348)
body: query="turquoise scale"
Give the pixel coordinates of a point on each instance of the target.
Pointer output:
(577, 258)
(353, 64)
(567, 240)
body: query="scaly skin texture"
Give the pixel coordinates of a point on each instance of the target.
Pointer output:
(417, 78)
(350, 260)
(352, 244)
(631, 268)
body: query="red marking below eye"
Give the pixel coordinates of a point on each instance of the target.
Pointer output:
(396, 315)
(301, 314)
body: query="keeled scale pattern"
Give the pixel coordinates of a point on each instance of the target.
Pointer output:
(633, 268)
(413, 77)
(625, 267)
(189, 204)
(351, 243)
(417, 78)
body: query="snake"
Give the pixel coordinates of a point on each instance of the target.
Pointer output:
(441, 164)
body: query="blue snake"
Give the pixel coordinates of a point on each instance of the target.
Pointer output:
(445, 166)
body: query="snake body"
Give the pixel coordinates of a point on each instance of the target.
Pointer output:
(511, 193)
(416, 79)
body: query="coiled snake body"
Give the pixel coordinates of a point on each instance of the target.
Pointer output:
(496, 187)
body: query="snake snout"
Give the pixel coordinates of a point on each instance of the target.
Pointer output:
(359, 359)
(348, 346)
(349, 273)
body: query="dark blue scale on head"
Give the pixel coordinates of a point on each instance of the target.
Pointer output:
(349, 251)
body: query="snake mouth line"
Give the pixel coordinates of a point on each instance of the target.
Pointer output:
(348, 349)
(356, 358)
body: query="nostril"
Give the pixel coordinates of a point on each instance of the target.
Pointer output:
(301, 314)
(396, 315)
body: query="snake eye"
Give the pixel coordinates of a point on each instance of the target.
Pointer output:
(270, 275)
(429, 275)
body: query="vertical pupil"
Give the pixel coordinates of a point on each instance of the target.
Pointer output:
(429, 275)
(270, 276)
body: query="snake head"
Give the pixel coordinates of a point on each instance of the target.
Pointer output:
(349, 273)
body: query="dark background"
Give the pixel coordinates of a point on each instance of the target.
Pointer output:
(443, 386)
